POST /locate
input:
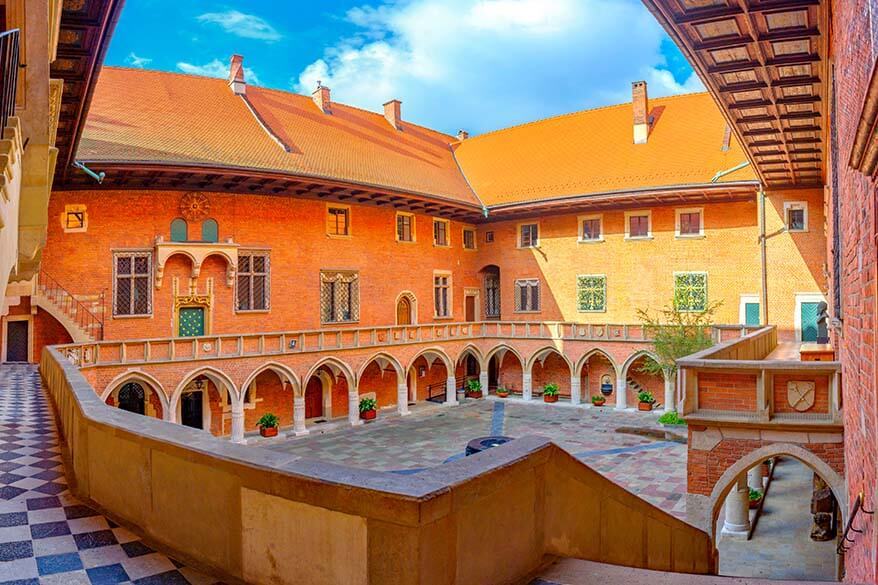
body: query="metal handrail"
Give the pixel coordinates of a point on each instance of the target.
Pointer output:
(9, 66)
(73, 308)
(849, 525)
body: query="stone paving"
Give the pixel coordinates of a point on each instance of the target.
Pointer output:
(652, 467)
(781, 546)
(47, 536)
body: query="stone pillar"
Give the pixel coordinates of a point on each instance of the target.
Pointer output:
(451, 391)
(737, 520)
(237, 419)
(754, 478)
(575, 390)
(483, 380)
(621, 392)
(526, 389)
(670, 403)
(402, 398)
(170, 413)
(354, 407)
(299, 416)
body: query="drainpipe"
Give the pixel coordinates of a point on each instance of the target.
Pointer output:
(722, 174)
(763, 244)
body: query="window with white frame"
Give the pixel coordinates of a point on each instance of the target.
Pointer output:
(638, 224)
(338, 220)
(796, 216)
(440, 232)
(690, 222)
(527, 295)
(339, 296)
(405, 227)
(591, 228)
(591, 293)
(253, 281)
(469, 239)
(132, 291)
(690, 291)
(441, 295)
(528, 235)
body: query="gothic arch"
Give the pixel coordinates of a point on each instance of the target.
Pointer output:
(386, 358)
(590, 354)
(284, 373)
(431, 354)
(413, 306)
(544, 352)
(141, 377)
(636, 356)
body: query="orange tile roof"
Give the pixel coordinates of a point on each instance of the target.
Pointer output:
(146, 116)
(159, 117)
(593, 151)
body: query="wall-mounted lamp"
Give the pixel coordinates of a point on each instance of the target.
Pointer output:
(292, 344)
(422, 371)
(199, 383)
(99, 177)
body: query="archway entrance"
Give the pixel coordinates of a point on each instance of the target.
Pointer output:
(314, 398)
(132, 398)
(191, 409)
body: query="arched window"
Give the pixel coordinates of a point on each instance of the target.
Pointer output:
(131, 398)
(209, 231)
(179, 230)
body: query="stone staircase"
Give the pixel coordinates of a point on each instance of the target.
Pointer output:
(77, 315)
(633, 385)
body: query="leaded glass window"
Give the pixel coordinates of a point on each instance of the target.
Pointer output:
(529, 236)
(469, 239)
(132, 293)
(690, 291)
(405, 227)
(527, 295)
(492, 296)
(442, 295)
(591, 292)
(339, 297)
(253, 281)
(440, 232)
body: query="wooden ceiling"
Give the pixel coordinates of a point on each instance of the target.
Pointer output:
(86, 26)
(765, 62)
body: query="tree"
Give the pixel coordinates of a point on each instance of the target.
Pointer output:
(676, 333)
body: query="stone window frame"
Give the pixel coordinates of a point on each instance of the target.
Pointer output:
(254, 252)
(795, 205)
(529, 306)
(519, 235)
(489, 237)
(706, 300)
(474, 242)
(72, 209)
(133, 253)
(641, 213)
(449, 296)
(354, 295)
(579, 283)
(678, 220)
(411, 216)
(447, 231)
(348, 218)
(580, 222)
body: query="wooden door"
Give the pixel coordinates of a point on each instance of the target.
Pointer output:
(404, 311)
(16, 341)
(809, 321)
(191, 410)
(191, 322)
(314, 398)
(470, 301)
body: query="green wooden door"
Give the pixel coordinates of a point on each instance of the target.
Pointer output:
(809, 321)
(751, 314)
(191, 322)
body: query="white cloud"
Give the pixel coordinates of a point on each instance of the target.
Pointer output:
(486, 64)
(237, 23)
(136, 61)
(216, 68)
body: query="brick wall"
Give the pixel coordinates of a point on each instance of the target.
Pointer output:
(727, 391)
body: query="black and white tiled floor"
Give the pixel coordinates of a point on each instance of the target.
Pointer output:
(47, 536)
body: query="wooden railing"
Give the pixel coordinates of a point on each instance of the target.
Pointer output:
(140, 351)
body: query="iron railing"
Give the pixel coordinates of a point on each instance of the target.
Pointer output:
(8, 74)
(70, 306)
(845, 541)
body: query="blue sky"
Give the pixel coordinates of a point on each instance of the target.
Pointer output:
(472, 64)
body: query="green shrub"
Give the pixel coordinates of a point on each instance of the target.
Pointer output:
(268, 420)
(671, 418)
(755, 495)
(645, 396)
(550, 389)
(473, 386)
(367, 404)
(598, 398)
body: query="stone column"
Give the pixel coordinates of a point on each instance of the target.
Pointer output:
(450, 391)
(669, 392)
(575, 390)
(526, 389)
(402, 398)
(354, 407)
(737, 520)
(299, 416)
(237, 419)
(621, 392)
(483, 380)
(754, 478)
(170, 413)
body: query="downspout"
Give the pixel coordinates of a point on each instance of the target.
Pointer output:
(722, 174)
(763, 242)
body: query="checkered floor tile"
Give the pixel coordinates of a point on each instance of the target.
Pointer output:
(46, 534)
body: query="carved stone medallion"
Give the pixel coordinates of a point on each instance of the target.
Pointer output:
(194, 206)
(800, 395)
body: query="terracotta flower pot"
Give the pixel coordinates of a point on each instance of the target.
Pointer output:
(474, 394)
(368, 414)
(502, 394)
(268, 431)
(755, 503)
(644, 406)
(547, 398)
(600, 403)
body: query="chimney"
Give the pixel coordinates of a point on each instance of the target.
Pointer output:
(321, 98)
(236, 75)
(393, 113)
(462, 135)
(640, 101)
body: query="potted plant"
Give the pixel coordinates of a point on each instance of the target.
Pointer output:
(268, 424)
(473, 389)
(645, 400)
(368, 408)
(550, 392)
(502, 392)
(598, 400)
(755, 497)
(672, 419)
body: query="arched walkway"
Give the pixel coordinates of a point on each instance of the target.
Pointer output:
(383, 378)
(505, 368)
(199, 399)
(149, 399)
(599, 375)
(637, 380)
(434, 375)
(339, 389)
(549, 366)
